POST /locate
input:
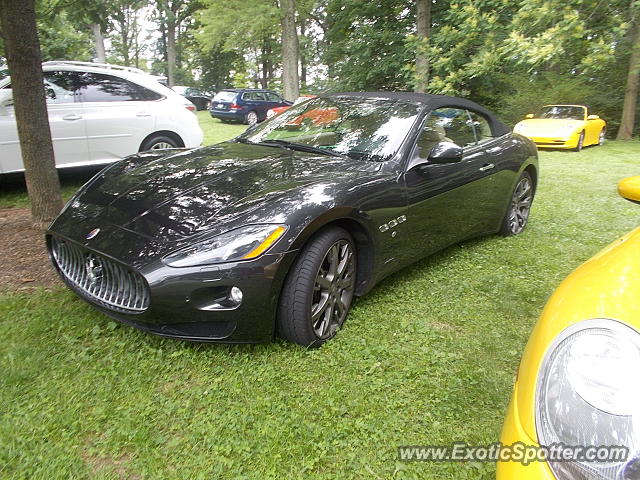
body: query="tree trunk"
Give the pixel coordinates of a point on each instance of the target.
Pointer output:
(18, 22)
(98, 40)
(303, 58)
(171, 50)
(290, 51)
(423, 28)
(124, 36)
(627, 122)
(264, 54)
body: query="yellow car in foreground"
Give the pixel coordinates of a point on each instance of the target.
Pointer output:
(563, 126)
(578, 383)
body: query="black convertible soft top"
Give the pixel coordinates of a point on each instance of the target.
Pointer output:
(432, 102)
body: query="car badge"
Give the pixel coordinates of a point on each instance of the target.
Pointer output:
(93, 267)
(92, 233)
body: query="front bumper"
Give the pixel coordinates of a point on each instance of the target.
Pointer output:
(555, 142)
(513, 432)
(182, 301)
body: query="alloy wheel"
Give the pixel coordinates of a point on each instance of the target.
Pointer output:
(601, 137)
(333, 289)
(161, 146)
(252, 118)
(520, 206)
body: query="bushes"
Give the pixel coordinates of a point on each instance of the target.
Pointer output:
(521, 96)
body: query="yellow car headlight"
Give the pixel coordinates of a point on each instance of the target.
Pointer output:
(588, 394)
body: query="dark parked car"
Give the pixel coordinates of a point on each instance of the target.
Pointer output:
(276, 231)
(200, 99)
(246, 105)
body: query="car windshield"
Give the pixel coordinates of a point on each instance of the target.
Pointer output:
(363, 128)
(561, 112)
(224, 96)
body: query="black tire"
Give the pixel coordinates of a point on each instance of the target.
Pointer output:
(312, 284)
(580, 142)
(251, 118)
(158, 142)
(517, 216)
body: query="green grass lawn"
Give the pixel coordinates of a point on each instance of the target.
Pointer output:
(428, 357)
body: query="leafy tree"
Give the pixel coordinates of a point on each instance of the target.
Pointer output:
(248, 29)
(627, 122)
(367, 44)
(127, 47)
(172, 13)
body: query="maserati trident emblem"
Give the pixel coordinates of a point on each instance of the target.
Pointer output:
(93, 267)
(92, 233)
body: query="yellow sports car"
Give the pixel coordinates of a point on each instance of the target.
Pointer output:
(577, 384)
(563, 126)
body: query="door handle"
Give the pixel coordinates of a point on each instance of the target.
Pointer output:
(72, 117)
(143, 114)
(488, 166)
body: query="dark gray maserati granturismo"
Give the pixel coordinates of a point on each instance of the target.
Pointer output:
(276, 231)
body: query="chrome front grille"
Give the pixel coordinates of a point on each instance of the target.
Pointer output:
(100, 279)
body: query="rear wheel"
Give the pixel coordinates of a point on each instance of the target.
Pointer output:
(319, 289)
(518, 213)
(580, 142)
(251, 118)
(158, 142)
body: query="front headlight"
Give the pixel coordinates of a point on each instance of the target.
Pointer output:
(240, 244)
(588, 395)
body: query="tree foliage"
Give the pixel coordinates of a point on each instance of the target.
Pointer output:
(493, 51)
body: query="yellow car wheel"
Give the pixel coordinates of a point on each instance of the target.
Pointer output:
(580, 142)
(601, 137)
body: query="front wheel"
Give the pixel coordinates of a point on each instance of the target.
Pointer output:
(519, 207)
(580, 142)
(601, 137)
(317, 294)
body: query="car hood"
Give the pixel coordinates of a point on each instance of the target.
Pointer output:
(170, 197)
(542, 126)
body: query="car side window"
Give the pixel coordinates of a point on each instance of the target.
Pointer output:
(259, 96)
(456, 123)
(481, 127)
(60, 87)
(272, 97)
(98, 87)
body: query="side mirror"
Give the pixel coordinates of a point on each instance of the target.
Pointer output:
(529, 115)
(593, 117)
(445, 152)
(629, 188)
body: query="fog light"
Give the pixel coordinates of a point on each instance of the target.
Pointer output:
(236, 295)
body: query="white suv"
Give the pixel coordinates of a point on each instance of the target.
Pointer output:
(100, 113)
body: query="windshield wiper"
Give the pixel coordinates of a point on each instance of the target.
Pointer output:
(301, 147)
